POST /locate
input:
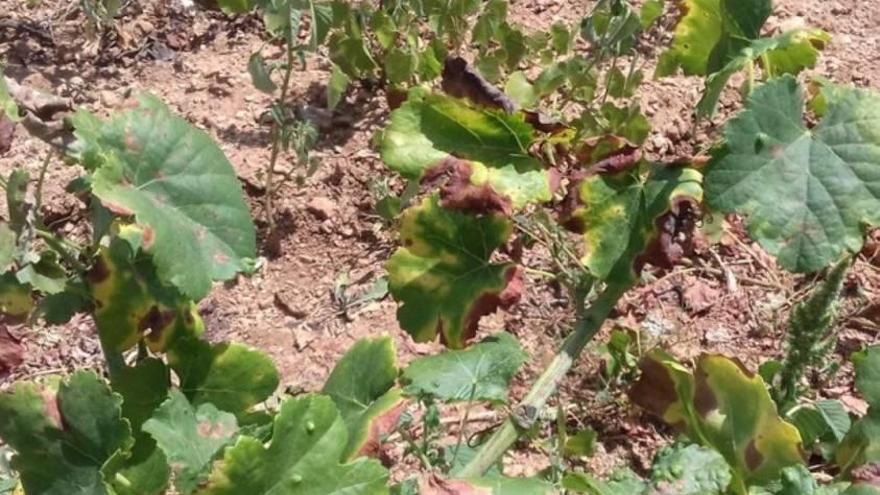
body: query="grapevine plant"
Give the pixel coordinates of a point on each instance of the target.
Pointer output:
(557, 150)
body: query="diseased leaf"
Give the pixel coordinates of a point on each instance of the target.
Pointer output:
(711, 32)
(807, 193)
(65, 445)
(722, 406)
(302, 458)
(232, 377)
(190, 437)
(460, 81)
(361, 387)
(788, 53)
(443, 278)
(429, 129)
(630, 218)
(131, 303)
(174, 182)
(480, 373)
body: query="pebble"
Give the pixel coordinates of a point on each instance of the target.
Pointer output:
(321, 207)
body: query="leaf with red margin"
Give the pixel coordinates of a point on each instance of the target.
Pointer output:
(724, 406)
(442, 276)
(460, 81)
(362, 387)
(634, 217)
(431, 128)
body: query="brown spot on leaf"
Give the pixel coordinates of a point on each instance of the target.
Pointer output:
(489, 302)
(607, 155)
(221, 258)
(380, 428)
(674, 237)
(460, 81)
(7, 131)
(207, 429)
(754, 458)
(156, 321)
(99, 272)
(117, 209)
(149, 238)
(654, 391)
(132, 144)
(395, 98)
(432, 484)
(458, 193)
(11, 352)
(704, 398)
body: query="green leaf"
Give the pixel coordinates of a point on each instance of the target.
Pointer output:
(711, 32)
(260, 76)
(178, 186)
(15, 299)
(303, 457)
(689, 470)
(807, 193)
(65, 445)
(361, 387)
(7, 246)
(131, 301)
(282, 17)
(351, 55)
(582, 443)
(622, 482)
(143, 389)
(650, 12)
(383, 28)
(400, 65)
(868, 376)
(232, 377)
(427, 130)
(619, 215)
(8, 108)
(788, 53)
(336, 86)
(190, 437)
(443, 278)
(480, 373)
(520, 90)
(722, 406)
(322, 21)
(489, 23)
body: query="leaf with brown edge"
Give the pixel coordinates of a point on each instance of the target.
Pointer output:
(607, 155)
(362, 387)
(724, 406)
(459, 191)
(431, 128)
(633, 217)
(442, 276)
(460, 81)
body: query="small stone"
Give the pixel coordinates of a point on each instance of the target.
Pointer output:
(321, 208)
(718, 335)
(109, 99)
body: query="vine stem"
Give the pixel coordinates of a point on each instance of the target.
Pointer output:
(268, 201)
(524, 415)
